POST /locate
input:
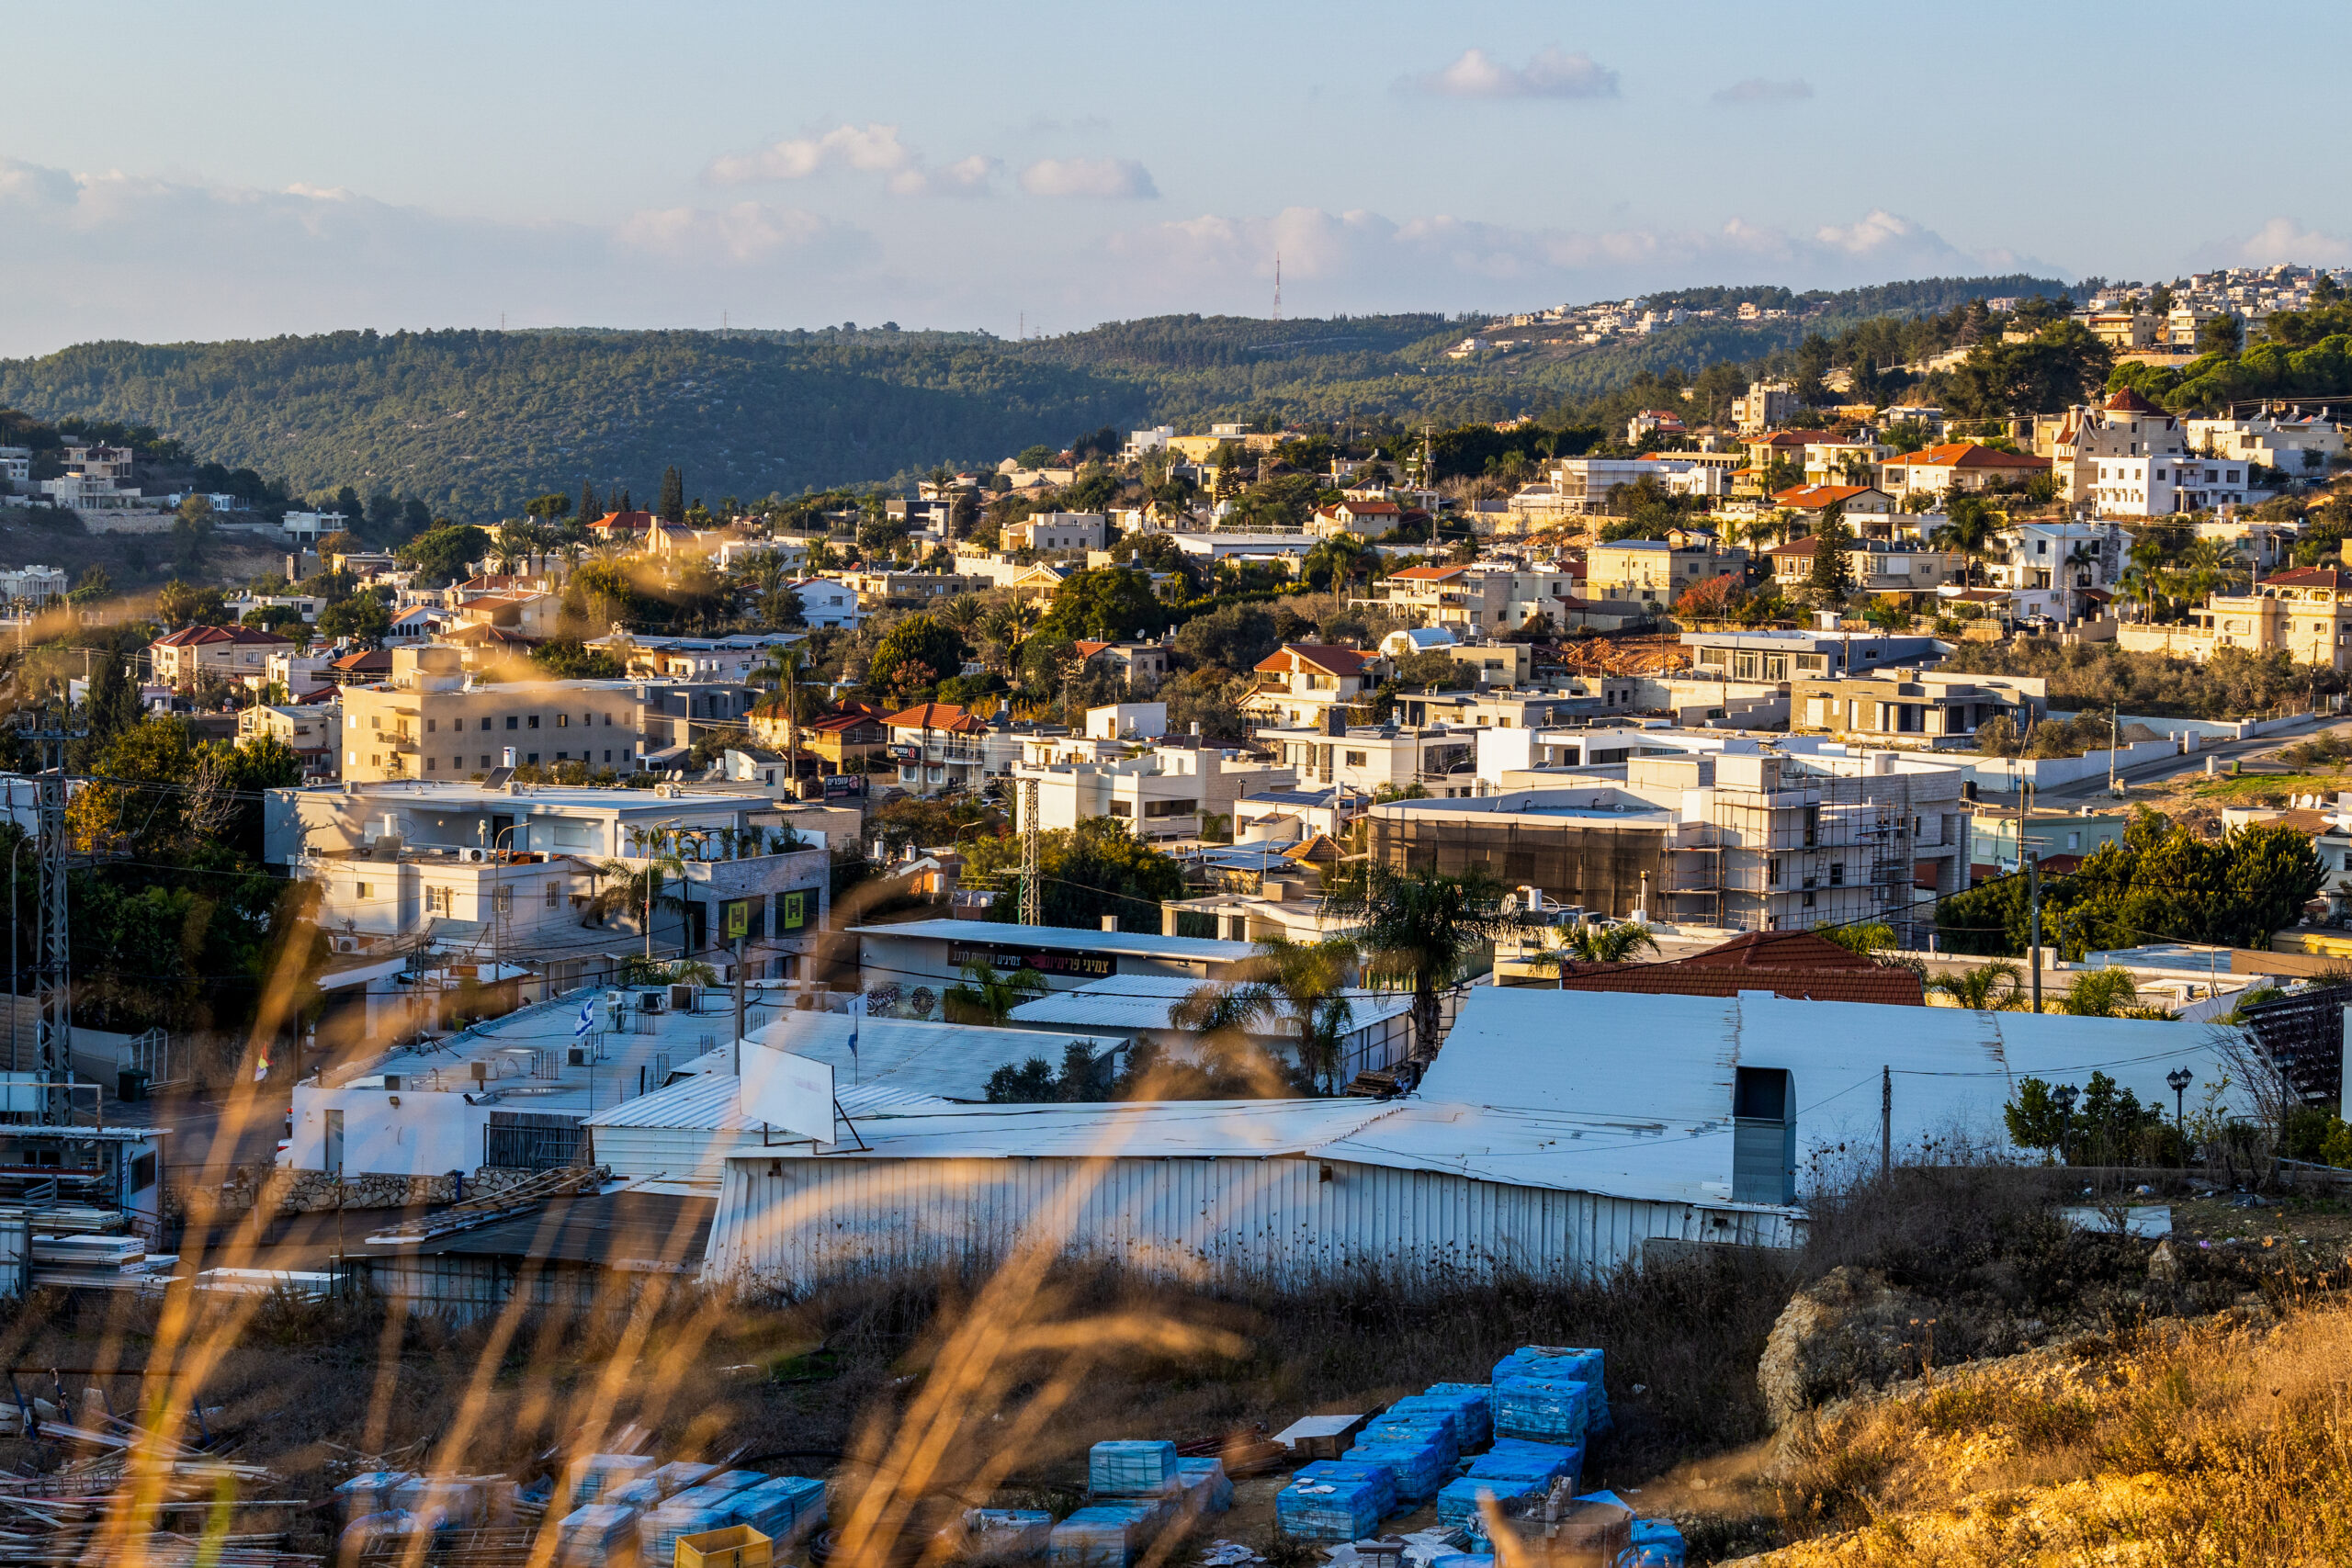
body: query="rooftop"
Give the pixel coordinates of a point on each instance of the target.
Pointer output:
(1066, 939)
(1144, 1001)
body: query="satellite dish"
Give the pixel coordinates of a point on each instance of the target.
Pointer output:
(792, 1093)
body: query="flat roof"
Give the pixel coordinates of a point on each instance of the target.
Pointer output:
(472, 796)
(1144, 1001)
(661, 1233)
(1067, 939)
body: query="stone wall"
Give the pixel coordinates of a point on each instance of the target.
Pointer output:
(277, 1192)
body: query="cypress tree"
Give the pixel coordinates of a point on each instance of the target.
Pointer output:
(1833, 574)
(588, 512)
(674, 495)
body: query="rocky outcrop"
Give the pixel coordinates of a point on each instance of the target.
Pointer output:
(1846, 1330)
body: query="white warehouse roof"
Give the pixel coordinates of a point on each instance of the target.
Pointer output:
(1143, 1001)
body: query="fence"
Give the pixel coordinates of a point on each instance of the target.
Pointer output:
(523, 1140)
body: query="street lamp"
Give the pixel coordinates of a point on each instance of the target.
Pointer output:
(2063, 1096)
(2180, 1078)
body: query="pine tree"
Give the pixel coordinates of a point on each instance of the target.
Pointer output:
(673, 496)
(1833, 571)
(624, 504)
(588, 512)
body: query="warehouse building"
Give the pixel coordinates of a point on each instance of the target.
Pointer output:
(934, 952)
(1537, 1144)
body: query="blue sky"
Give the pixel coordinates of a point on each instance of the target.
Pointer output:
(242, 169)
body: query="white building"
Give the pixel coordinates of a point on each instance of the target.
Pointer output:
(1371, 759)
(309, 527)
(35, 586)
(96, 479)
(2126, 457)
(2046, 566)
(1058, 531)
(827, 602)
(2300, 446)
(1164, 794)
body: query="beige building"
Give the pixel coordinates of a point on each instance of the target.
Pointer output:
(314, 729)
(1302, 683)
(1654, 570)
(429, 721)
(1910, 708)
(2307, 613)
(230, 653)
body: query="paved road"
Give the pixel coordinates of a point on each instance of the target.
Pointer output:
(2251, 754)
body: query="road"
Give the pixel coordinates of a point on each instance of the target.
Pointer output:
(2164, 768)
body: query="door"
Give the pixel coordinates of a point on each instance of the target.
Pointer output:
(334, 1143)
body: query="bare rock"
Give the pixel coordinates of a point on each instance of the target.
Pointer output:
(2164, 1264)
(1848, 1329)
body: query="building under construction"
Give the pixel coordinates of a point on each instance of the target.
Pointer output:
(1742, 841)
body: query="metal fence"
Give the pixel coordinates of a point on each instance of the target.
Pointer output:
(522, 1140)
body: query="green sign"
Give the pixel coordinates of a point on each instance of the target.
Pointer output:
(739, 920)
(792, 910)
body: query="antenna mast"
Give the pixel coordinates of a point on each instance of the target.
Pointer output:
(54, 971)
(1029, 912)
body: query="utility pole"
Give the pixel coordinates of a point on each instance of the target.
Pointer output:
(1029, 914)
(738, 1003)
(2114, 733)
(54, 974)
(1885, 1123)
(2034, 893)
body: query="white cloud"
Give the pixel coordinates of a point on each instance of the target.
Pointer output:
(1101, 179)
(2284, 239)
(747, 232)
(870, 149)
(1552, 74)
(1365, 261)
(123, 256)
(1760, 90)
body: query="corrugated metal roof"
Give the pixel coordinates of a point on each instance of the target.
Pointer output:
(1240, 1128)
(899, 1062)
(641, 1231)
(1143, 1001)
(1064, 938)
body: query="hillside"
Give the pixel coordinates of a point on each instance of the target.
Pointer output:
(474, 422)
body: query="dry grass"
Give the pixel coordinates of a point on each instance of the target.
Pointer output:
(2224, 1441)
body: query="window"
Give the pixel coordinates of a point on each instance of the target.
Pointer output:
(533, 759)
(1355, 759)
(431, 764)
(511, 722)
(1121, 808)
(1772, 872)
(535, 722)
(430, 725)
(1836, 873)
(563, 721)
(1808, 898)
(360, 889)
(555, 893)
(375, 721)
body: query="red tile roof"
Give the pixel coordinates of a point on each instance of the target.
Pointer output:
(1799, 964)
(1789, 438)
(1372, 508)
(629, 519)
(935, 715)
(1427, 573)
(1820, 497)
(205, 637)
(1323, 656)
(1966, 455)
(2129, 401)
(2326, 576)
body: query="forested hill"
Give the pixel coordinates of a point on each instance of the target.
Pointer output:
(473, 422)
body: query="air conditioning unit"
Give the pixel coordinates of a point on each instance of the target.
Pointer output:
(347, 944)
(650, 1001)
(476, 856)
(682, 999)
(617, 1000)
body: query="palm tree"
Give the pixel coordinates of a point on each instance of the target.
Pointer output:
(1969, 527)
(1589, 942)
(988, 995)
(1311, 978)
(623, 887)
(1996, 986)
(1418, 930)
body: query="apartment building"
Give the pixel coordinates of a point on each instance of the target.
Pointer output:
(1746, 840)
(1585, 486)
(228, 653)
(1844, 460)
(510, 876)
(939, 746)
(2059, 569)
(827, 602)
(1956, 465)
(314, 731)
(1655, 570)
(1165, 792)
(1794, 655)
(1477, 598)
(35, 586)
(1763, 405)
(1874, 566)
(1141, 663)
(2126, 457)
(1298, 684)
(1388, 758)
(1911, 708)
(2306, 612)
(2299, 445)
(1056, 532)
(1507, 707)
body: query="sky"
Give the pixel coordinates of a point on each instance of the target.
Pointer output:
(244, 169)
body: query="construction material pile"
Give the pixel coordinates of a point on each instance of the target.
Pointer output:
(1136, 1490)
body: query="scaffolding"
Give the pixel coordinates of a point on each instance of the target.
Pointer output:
(1815, 849)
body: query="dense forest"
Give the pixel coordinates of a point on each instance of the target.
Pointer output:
(472, 423)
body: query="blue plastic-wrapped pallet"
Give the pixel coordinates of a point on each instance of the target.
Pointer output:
(658, 1531)
(1562, 1361)
(1328, 1510)
(708, 1499)
(460, 1502)
(645, 1494)
(1550, 1410)
(1475, 1402)
(1204, 1485)
(792, 1505)
(1331, 1471)
(1516, 1459)
(1424, 1426)
(1655, 1544)
(370, 1492)
(998, 1535)
(1457, 1500)
(730, 1481)
(1131, 1469)
(1459, 1422)
(593, 1475)
(1461, 1559)
(598, 1534)
(679, 1474)
(1419, 1468)
(1104, 1536)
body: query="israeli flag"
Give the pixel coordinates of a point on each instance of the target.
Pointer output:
(587, 1017)
(856, 1017)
